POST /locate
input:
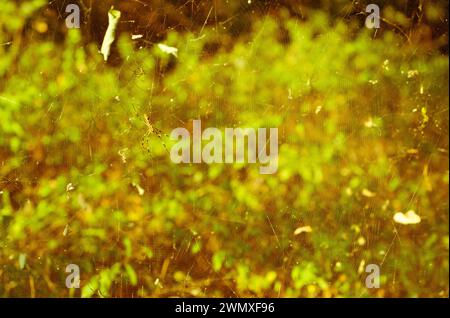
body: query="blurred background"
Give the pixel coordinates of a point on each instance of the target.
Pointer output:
(363, 133)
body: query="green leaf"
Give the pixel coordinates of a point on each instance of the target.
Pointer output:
(22, 260)
(131, 274)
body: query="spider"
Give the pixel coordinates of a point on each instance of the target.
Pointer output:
(151, 130)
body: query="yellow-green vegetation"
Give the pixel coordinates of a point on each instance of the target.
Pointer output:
(363, 132)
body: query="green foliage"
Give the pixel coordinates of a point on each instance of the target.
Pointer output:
(363, 134)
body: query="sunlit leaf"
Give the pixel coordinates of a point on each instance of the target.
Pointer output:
(409, 217)
(303, 229)
(113, 20)
(22, 260)
(168, 49)
(131, 274)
